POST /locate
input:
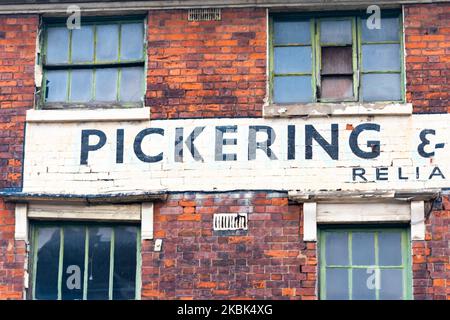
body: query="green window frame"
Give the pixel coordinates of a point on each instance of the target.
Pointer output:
(122, 67)
(61, 229)
(354, 269)
(315, 20)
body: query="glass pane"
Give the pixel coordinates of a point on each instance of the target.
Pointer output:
(98, 264)
(48, 241)
(285, 32)
(388, 31)
(81, 86)
(339, 87)
(107, 42)
(292, 89)
(125, 263)
(363, 248)
(336, 31)
(292, 59)
(83, 44)
(336, 246)
(131, 84)
(132, 39)
(73, 265)
(337, 60)
(106, 84)
(337, 284)
(390, 248)
(381, 57)
(381, 87)
(391, 284)
(57, 45)
(364, 284)
(56, 86)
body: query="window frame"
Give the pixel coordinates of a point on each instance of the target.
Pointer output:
(35, 225)
(69, 66)
(406, 266)
(356, 17)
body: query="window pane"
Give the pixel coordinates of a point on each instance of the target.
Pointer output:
(390, 248)
(388, 31)
(106, 84)
(73, 265)
(81, 86)
(381, 87)
(292, 59)
(391, 284)
(56, 86)
(337, 284)
(83, 44)
(57, 45)
(381, 57)
(336, 31)
(286, 32)
(107, 42)
(131, 84)
(98, 264)
(336, 245)
(364, 284)
(292, 89)
(363, 248)
(125, 263)
(132, 39)
(337, 87)
(48, 241)
(337, 60)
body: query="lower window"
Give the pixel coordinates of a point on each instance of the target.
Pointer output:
(89, 262)
(365, 264)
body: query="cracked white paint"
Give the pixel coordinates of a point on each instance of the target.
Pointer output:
(52, 157)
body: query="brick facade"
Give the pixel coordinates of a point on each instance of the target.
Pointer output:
(272, 261)
(218, 69)
(427, 44)
(207, 68)
(17, 59)
(431, 258)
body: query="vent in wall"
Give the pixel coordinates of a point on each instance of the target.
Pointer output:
(230, 221)
(205, 14)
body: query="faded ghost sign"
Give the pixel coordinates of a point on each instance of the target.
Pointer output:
(224, 154)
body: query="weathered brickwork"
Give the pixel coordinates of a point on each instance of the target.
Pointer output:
(206, 68)
(17, 59)
(213, 69)
(431, 258)
(427, 43)
(271, 261)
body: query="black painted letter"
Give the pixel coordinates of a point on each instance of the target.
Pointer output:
(264, 146)
(375, 145)
(220, 142)
(331, 148)
(138, 145)
(86, 147)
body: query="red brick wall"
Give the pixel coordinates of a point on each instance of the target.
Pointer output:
(427, 32)
(17, 57)
(431, 258)
(207, 68)
(272, 261)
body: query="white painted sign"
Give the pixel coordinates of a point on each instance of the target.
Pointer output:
(348, 153)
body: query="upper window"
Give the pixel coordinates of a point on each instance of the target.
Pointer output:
(365, 264)
(85, 262)
(335, 59)
(98, 64)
